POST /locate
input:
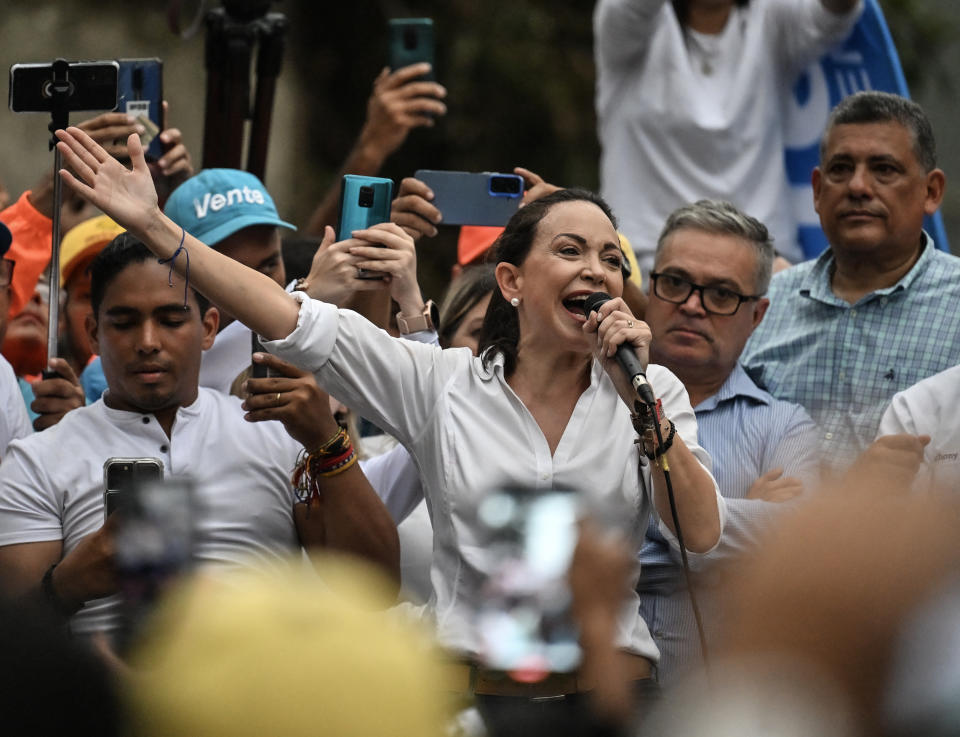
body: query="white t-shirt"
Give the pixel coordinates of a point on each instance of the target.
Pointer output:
(687, 116)
(227, 357)
(14, 420)
(469, 432)
(929, 407)
(51, 483)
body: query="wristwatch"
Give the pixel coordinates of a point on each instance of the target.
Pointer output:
(426, 320)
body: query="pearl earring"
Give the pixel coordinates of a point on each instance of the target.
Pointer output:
(515, 301)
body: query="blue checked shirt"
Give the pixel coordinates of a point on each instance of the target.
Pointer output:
(845, 362)
(747, 433)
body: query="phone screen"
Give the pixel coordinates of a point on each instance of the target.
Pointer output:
(92, 86)
(523, 616)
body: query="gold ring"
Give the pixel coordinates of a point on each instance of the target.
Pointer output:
(629, 323)
(278, 399)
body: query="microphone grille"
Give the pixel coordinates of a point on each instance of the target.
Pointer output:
(593, 302)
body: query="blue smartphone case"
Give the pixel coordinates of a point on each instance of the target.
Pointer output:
(466, 198)
(140, 92)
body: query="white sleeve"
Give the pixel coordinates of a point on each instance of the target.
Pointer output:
(803, 30)
(395, 478)
(29, 511)
(622, 30)
(393, 382)
(14, 420)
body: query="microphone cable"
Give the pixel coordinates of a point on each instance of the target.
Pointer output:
(685, 563)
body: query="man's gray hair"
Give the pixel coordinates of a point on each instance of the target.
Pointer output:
(722, 218)
(884, 107)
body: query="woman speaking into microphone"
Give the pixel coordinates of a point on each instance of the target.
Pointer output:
(544, 405)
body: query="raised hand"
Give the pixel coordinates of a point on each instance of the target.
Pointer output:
(126, 195)
(399, 103)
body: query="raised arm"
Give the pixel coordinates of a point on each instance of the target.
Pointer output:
(129, 197)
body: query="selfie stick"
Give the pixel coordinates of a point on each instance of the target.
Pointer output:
(60, 117)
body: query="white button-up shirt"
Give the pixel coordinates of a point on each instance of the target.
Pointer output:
(468, 432)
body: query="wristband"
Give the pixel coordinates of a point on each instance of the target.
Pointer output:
(50, 596)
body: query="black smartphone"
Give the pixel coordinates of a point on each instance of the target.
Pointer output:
(140, 94)
(122, 475)
(91, 85)
(523, 610)
(468, 198)
(364, 201)
(411, 42)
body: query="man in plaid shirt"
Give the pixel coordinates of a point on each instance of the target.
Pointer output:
(876, 312)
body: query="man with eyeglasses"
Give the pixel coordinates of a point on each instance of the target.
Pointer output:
(711, 269)
(14, 421)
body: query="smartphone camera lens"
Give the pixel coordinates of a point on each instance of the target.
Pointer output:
(510, 186)
(365, 197)
(409, 39)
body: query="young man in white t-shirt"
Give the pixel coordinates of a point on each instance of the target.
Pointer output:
(150, 335)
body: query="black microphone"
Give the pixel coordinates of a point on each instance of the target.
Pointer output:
(625, 354)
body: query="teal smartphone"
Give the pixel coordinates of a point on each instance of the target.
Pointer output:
(364, 201)
(473, 198)
(411, 42)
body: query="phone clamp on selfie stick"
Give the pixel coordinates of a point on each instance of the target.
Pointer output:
(232, 33)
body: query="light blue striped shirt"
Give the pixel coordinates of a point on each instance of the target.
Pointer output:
(845, 362)
(747, 433)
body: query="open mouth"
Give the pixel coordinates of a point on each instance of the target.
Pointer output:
(575, 304)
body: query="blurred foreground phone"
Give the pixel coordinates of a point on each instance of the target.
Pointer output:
(411, 42)
(122, 475)
(92, 86)
(153, 547)
(364, 201)
(523, 611)
(140, 94)
(466, 198)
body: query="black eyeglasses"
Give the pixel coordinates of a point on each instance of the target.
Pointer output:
(6, 272)
(716, 300)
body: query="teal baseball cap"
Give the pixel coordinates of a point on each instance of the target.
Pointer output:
(216, 203)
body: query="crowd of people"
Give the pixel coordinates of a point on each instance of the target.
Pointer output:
(755, 546)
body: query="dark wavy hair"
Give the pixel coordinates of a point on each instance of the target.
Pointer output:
(501, 329)
(473, 284)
